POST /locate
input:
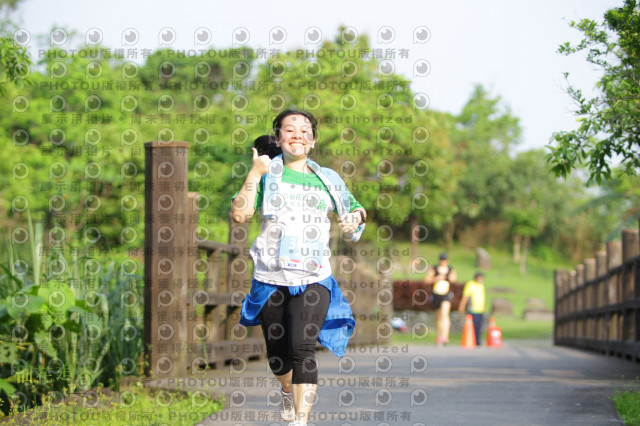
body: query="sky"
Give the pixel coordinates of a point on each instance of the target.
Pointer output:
(509, 47)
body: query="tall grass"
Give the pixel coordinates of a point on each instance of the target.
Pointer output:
(628, 405)
(68, 321)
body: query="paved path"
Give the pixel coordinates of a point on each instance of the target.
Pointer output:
(523, 383)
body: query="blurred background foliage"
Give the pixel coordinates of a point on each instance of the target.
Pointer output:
(72, 134)
(73, 147)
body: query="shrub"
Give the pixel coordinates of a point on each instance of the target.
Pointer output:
(68, 322)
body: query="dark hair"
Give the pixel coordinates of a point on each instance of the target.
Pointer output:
(277, 122)
(266, 145)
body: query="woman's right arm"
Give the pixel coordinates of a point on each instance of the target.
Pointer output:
(429, 278)
(243, 206)
(453, 276)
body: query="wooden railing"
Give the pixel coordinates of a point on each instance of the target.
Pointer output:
(217, 336)
(598, 304)
(194, 287)
(417, 296)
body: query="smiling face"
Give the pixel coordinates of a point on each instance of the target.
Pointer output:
(296, 137)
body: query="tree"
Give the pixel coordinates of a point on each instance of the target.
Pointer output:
(529, 198)
(618, 204)
(609, 122)
(15, 64)
(485, 132)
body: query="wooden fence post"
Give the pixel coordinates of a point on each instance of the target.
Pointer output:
(165, 274)
(573, 325)
(630, 249)
(566, 302)
(580, 300)
(614, 260)
(561, 288)
(192, 261)
(589, 293)
(589, 275)
(601, 271)
(600, 289)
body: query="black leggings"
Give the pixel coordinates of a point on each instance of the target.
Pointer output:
(291, 325)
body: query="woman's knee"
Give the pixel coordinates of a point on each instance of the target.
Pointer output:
(279, 365)
(305, 368)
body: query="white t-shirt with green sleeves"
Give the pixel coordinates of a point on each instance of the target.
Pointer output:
(293, 246)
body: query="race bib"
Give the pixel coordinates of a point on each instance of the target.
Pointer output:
(441, 287)
(295, 254)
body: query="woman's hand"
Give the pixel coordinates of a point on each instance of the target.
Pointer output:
(260, 163)
(242, 208)
(349, 222)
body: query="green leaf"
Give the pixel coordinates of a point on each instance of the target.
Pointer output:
(11, 310)
(36, 237)
(43, 341)
(7, 387)
(20, 302)
(47, 320)
(94, 321)
(79, 310)
(29, 289)
(59, 298)
(34, 304)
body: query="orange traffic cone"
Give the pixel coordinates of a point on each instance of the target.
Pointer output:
(494, 334)
(468, 334)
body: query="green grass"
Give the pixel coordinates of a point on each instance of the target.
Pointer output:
(133, 406)
(628, 406)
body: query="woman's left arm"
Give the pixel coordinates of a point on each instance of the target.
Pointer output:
(353, 222)
(350, 222)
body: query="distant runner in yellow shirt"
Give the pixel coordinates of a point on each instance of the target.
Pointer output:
(474, 291)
